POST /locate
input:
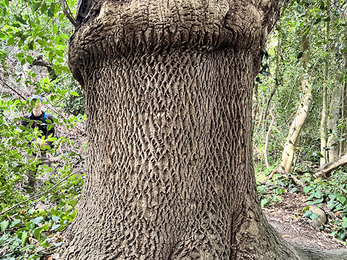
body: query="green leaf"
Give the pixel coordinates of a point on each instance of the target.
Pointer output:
(24, 237)
(50, 56)
(44, 7)
(315, 202)
(344, 224)
(64, 36)
(20, 19)
(31, 45)
(314, 216)
(341, 199)
(30, 225)
(61, 17)
(264, 202)
(10, 41)
(15, 223)
(307, 189)
(332, 197)
(318, 194)
(37, 220)
(322, 6)
(37, 232)
(306, 209)
(4, 224)
(55, 29)
(308, 213)
(42, 43)
(52, 8)
(74, 93)
(55, 218)
(55, 226)
(326, 19)
(36, 6)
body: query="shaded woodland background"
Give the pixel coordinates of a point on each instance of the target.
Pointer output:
(299, 118)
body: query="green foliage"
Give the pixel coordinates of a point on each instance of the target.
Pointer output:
(269, 194)
(33, 26)
(31, 224)
(29, 234)
(333, 193)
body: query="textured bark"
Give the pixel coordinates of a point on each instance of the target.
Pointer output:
(169, 171)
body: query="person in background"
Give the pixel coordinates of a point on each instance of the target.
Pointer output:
(39, 119)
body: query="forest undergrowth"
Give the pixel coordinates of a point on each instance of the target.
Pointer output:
(328, 194)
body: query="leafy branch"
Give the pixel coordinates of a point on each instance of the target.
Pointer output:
(39, 195)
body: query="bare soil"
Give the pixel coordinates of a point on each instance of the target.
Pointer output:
(287, 218)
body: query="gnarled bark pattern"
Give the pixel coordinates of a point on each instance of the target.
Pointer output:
(168, 87)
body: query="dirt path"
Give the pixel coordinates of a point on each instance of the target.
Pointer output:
(286, 217)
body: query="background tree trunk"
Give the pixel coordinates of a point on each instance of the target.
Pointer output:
(335, 101)
(301, 115)
(343, 143)
(267, 107)
(324, 118)
(334, 115)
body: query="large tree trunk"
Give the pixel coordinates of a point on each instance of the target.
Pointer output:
(169, 171)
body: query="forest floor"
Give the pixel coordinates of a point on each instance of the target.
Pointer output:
(286, 217)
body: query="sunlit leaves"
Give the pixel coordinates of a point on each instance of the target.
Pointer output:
(36, 26)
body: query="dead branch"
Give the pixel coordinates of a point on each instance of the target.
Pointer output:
(46, 64)
(15, 91)
(68, 12)
(327, 168)
(274, 137)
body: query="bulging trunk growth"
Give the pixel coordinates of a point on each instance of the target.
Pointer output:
(169, 171)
